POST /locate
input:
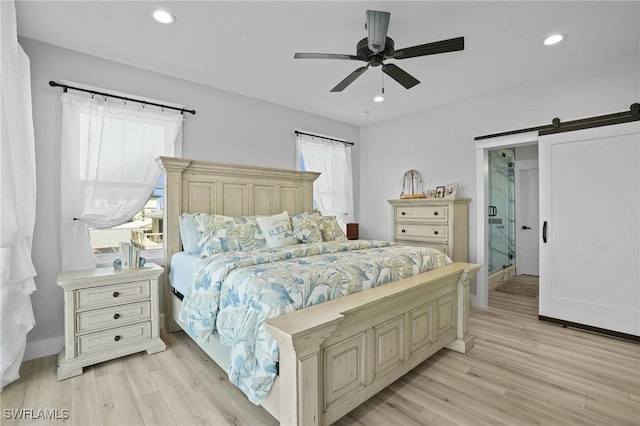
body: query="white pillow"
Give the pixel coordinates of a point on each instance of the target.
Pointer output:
(277, 230)
(189, 235)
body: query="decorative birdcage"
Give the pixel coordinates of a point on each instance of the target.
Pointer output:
(413, 185)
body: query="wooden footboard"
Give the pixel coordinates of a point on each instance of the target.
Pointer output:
(336, 355)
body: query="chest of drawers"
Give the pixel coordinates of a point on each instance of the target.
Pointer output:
(440, 223)
(108, 313)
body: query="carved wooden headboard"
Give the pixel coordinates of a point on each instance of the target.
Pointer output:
(233, 190)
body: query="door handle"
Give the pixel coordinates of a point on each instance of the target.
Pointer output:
(544, 231)
(526, 227)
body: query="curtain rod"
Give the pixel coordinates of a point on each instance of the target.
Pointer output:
(324, 137)
(109, 95)
(633, 114)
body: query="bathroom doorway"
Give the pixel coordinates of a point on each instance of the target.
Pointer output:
(523, 146)
(513, 211)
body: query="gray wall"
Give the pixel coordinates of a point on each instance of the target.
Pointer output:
(227, 128)
(439, 142)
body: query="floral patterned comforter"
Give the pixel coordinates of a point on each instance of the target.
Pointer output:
(234, 292)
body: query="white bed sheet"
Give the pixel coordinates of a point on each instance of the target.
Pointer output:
(183, 267)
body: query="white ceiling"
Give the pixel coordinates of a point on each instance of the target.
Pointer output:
(248, 47)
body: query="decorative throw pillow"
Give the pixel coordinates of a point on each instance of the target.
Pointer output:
(189, 235)
(277, 230)
(305, 229)
(330, 228)
(220, 233)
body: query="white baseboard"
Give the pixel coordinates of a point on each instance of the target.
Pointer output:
(44, 347)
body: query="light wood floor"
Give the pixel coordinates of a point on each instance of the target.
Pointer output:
(521, 372)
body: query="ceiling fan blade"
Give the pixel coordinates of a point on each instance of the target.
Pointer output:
(442, 46)
(350, 78)
(377, 26)
(400, 75)
(325, 56)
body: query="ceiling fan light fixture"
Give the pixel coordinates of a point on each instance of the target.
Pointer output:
(379, 97)
(553, 39)
(163, 16)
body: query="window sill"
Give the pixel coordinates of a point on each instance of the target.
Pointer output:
(154, 255)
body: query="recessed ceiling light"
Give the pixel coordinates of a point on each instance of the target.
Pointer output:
(163, 16)
(553, 39)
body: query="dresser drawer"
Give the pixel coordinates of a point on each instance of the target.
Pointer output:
(113, 317)
(109, 295)
(422, 232)
(442, 247)
(432, 213)
(112, 339)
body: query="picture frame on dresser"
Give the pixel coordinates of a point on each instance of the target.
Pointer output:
(450, 190)
(440, 191)
(431, 193)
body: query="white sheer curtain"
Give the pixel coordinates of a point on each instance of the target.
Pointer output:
(108, 166)
(18, 197)
(333, 190)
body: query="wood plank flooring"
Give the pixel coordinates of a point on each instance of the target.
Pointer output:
(521, 372)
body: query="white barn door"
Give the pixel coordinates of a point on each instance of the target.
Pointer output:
(590, 227)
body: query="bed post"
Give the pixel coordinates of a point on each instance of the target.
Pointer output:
(301, 368)
(172, 168)
(464, 340)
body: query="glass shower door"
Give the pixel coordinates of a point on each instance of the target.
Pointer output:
(501, 209)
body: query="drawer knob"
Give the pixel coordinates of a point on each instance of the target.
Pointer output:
(116, 294)
(116, 316)
(403, 213)
(403, 231)
(116, 338)
(435, 232)
(435, 213)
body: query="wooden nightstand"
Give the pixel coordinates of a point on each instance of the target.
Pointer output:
(108, 313)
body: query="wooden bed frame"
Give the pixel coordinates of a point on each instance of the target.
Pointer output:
(336, 355)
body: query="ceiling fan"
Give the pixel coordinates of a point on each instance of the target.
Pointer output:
(377, 47)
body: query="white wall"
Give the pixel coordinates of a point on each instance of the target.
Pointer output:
(439, 142)
(227, 128)
(232, 128)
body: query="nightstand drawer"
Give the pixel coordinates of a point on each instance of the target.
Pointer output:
(422, 232)
(109, 295)
(114, 338)
(113, 317)
(432, 214)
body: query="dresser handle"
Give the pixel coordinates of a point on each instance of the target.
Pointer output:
(435, 232)
(116, 338)
(403, 231)
(116, 294)
(116, 316)
(403, 213)
(435, 213)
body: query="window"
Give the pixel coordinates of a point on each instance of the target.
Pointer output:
(109, 176)
(144, 230)
(333, 190)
